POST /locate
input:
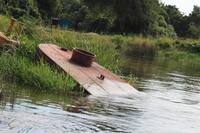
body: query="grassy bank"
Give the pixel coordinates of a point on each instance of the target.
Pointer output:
(138, 46)
(18, 64)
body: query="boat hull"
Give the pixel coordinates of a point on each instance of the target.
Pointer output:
(95, 79)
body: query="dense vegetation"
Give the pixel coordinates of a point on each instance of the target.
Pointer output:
(130, 28)
(147, 17)
(17, 62)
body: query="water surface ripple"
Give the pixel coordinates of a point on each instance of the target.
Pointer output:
(168, 102)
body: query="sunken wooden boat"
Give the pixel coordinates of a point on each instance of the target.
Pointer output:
(79, 63)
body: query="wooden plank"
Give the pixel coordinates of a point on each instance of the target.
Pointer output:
(87, 76)
(50, 54)
(7, 39)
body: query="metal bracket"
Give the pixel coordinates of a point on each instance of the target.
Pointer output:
(63, 49)
(101, 77)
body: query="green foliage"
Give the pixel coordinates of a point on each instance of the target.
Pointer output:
(22, 70)
(189, 27)
(195, 15)
(141, 48)
(48, 8)
(189, 46)
(4, 24)
(160, 28)
(136, 46)
(21, 8)
(119, 40)
(194, 30)
(135, 14)
(173, 17)
(147, 17)
(179, 55)
(20, 67)
(164, 43)
(179, 49)
(98, 24)
(2, 7)
(101, 46)
(74, 11)
(185, 26)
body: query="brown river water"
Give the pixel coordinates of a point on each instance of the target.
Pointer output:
(168, 102)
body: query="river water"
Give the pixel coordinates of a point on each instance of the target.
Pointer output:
(168, 102)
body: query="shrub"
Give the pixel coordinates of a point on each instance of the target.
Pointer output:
(141, 48)
(164, 43)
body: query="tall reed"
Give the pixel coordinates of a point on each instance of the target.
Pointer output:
(137, 46)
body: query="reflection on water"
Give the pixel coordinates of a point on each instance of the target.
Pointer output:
(169, 101)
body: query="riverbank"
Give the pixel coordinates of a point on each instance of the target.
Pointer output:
(161, 47)
(18, 64)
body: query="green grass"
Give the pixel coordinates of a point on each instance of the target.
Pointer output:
(138, 46)
(179, 55)
(18, 64)
(21, 69)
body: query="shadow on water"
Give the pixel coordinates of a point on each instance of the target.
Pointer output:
(137, 66)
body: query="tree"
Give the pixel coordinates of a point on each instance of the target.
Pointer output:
(159, 27)
(21, 8)
(175, 17)
(2, 7)
(194, 23)
(195, 15)
(75, 11)
(136, 14)
(49, 8)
